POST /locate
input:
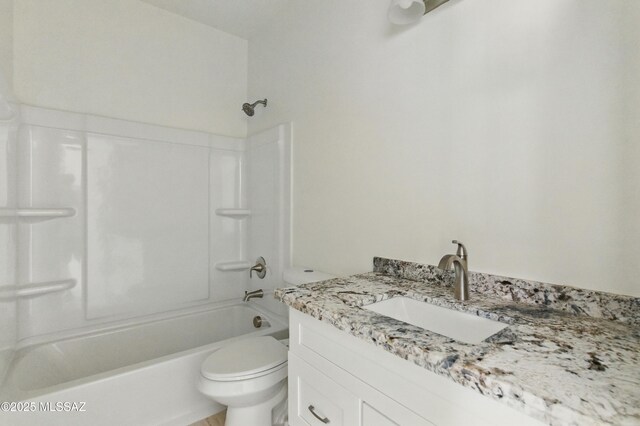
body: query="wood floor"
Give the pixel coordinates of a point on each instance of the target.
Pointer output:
(217, 420)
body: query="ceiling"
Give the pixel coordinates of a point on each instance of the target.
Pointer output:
(243, 18)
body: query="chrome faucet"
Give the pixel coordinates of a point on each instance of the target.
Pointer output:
(460, 262)
(256, 294)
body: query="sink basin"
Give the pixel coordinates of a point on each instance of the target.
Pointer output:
(456, 325)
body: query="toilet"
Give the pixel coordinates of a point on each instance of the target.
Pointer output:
(249, 376)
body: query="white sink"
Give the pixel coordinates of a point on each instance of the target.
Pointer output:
(456, 325)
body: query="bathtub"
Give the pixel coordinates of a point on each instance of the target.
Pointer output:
(144, 374)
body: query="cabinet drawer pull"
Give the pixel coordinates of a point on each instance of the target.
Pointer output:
(322, 419)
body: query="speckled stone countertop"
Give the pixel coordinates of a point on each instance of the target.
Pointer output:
(554, 365)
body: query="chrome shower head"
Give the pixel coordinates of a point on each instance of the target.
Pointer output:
(249, 109)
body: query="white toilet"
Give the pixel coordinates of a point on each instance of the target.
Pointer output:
(250, 376)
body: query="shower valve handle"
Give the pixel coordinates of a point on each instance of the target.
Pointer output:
(260, 268)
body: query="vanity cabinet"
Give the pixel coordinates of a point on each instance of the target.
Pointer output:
(316, 399)
(337, 379)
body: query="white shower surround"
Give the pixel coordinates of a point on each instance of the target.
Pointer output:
(145, 237)
(186, 204)
(8, 245)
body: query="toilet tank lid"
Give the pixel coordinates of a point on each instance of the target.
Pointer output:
(302, 275)
(244, 358)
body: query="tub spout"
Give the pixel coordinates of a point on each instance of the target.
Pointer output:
(256, 294)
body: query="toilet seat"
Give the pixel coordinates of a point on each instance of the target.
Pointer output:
(245, 359)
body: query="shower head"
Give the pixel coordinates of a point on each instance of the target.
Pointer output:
(249, 109)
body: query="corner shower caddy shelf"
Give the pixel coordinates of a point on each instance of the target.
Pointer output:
(38, 213)
(236, 213)
(41, 288)
(239, 265)
(36, 289)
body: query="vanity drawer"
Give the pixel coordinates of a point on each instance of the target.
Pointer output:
(315, 399)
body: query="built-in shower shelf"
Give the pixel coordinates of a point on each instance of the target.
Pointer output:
(237, 213)
(38, 213)
(36, 289)
(239, 265)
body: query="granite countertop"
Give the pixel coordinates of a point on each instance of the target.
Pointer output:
(554, 365)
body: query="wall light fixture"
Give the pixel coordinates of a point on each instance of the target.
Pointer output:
(403, 12)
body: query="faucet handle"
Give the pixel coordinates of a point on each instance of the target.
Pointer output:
(462, 250)
(260, 267)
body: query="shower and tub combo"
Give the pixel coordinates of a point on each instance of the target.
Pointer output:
(131, 247)
(144, 373)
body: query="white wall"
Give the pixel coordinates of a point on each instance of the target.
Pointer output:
(6, 40)
(508, 124)
(128, 59)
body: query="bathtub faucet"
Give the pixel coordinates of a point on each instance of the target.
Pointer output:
(256, 294)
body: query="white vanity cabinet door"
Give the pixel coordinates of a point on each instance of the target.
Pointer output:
(347, 403)
(373, 417)
(315, 399)
(389, 413)
(379, 410)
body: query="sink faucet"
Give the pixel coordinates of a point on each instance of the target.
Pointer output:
(460, 262)
(256, 294)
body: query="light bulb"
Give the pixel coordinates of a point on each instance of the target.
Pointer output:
(403, 12)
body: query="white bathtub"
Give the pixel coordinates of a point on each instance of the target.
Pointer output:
(137, 375)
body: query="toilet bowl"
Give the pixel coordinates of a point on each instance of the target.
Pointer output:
(249, 377)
